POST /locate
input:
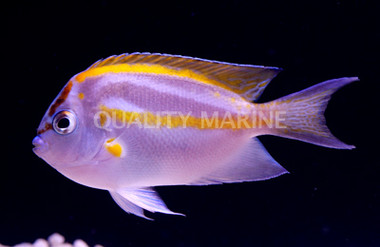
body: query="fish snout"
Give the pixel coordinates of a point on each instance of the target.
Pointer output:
(39, 145)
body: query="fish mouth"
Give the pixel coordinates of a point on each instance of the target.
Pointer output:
(39, 145)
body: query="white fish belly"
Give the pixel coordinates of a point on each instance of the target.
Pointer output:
(176, 156)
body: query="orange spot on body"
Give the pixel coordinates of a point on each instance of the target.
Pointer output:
(81, 95)
(113, 148)
(217, 94)
(110, 140)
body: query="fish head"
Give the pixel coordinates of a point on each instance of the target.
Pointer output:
(63, 137)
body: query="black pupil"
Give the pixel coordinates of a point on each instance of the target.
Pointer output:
(63, 123)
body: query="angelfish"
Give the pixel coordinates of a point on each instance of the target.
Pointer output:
(131, 122)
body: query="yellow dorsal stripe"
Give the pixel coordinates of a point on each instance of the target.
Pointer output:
(149, 69)
(249, 81)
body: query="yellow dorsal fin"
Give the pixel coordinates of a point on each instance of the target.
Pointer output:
(249, 81)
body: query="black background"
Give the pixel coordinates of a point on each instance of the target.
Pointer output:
(331, 197)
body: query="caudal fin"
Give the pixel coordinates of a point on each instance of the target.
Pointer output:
(304, 114)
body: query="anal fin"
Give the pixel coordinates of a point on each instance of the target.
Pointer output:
(135, 200)
(128, 206)
(252, 163)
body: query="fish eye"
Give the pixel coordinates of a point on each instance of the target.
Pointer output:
(64, 122)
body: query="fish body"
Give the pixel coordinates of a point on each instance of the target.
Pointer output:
(135, 121)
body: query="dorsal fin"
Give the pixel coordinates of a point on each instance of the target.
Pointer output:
(249, 81)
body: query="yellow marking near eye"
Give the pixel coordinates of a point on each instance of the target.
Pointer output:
(81, 95)
(113, 148)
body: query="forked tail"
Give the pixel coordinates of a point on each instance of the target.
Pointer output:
(303, 114)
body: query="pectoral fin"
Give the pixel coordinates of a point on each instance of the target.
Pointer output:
(136, 199)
